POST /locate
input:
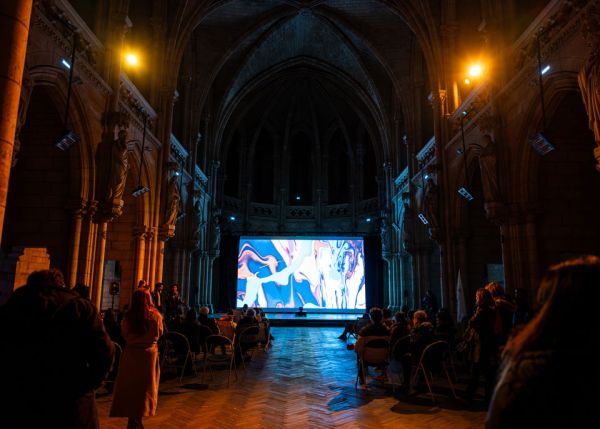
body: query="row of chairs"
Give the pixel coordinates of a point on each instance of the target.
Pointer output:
(435, 359)
(217, 351)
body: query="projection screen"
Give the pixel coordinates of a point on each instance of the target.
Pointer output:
(315, 273)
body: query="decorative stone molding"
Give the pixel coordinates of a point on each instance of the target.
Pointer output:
(178, 151)
(133, 98)
(427, 153)
(200, 178)
(89, 48)
(402, 180)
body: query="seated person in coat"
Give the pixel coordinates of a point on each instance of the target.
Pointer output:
(249, 341)
(376, 329)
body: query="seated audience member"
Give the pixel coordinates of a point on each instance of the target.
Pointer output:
(422, 333)
(54, 353)
(207, 321)
(194, 331)
(376, 329)
(244, 323)
(550, 371)
(387, 318)
(354, 328)
(444, 326)
(177, 322)
(301, 312)
(113, 327)
(399, 329)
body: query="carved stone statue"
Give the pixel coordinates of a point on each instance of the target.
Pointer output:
(385, 235)
(489, 170)
(431, 207)
(407, 227)
(173, 201)
(196, 222)
(215, 239)
(119, 166)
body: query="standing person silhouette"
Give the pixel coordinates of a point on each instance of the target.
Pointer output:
(136, 388)
(550, 373)
(53, 353)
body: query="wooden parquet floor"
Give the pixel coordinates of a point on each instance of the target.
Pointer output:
(305, 381)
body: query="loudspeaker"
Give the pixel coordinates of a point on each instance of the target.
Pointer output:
(114, 288)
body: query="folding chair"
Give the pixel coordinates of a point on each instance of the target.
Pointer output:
(264, 334)
(247, 340)
(212, 357)
(400, 353)
(433, 361)
(374, 352)
(176, 350)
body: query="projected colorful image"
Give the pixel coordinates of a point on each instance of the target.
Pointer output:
(312, 273)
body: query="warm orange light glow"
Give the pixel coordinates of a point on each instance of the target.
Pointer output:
(475, 70)
(467, 81)
(132, 59)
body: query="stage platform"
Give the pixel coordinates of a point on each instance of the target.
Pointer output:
(311, 319)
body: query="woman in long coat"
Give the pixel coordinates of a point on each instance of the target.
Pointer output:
(136, 388)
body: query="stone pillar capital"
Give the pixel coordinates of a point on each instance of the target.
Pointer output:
(141, 232)
(165, 232)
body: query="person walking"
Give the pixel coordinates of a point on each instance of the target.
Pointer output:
(136, 388)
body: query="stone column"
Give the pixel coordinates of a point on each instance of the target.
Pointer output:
(195, 282)
(90, 251)
(99, 264)
(209, 278)
(165, 232)
(75, 243)
(140, 233)
(14, 29)
(150, 257)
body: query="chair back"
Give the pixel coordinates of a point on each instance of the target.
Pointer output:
(249, 336)
(176, 352)
(176, 342)
(375, 350)
(214, 341)
(226, 328)
(400, 348)
(263, 331)
(434, 355)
